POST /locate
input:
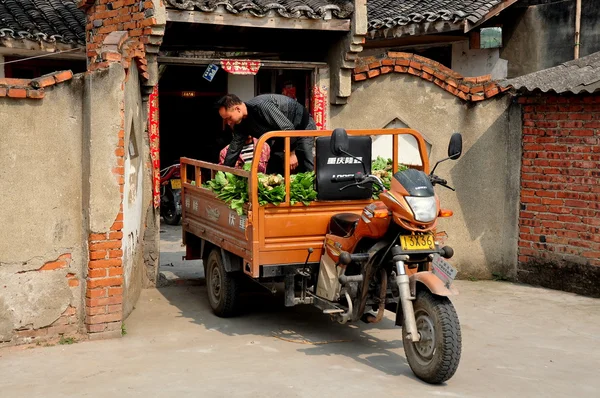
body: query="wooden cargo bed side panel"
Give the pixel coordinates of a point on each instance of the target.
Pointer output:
(210, 218)
(287, 232)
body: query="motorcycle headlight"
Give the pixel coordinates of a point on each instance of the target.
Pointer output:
(424, 208)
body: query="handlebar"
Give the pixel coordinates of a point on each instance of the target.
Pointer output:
(440, 181)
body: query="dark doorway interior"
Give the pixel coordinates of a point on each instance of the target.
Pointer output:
(190, 125)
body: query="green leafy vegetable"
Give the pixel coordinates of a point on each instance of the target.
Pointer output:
(383, 168)
(302, 188)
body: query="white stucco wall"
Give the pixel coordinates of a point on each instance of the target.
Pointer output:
(479, 62)
(241, 85)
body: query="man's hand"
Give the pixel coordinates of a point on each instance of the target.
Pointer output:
(293, 161)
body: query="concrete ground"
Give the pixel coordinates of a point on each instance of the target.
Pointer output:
(518, 341)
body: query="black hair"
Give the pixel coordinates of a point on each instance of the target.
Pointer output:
(227, 101)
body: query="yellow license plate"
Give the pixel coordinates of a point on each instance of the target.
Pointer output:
(417, 242)
(176, 183)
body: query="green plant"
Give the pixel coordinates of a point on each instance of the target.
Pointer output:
(123, 330)
(302, 188)
(497, 276)
(383, 169)
(66, 340)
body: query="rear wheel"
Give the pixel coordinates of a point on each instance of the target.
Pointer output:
(222, 287)
(435, 357)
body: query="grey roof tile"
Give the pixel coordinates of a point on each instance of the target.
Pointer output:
(315, 9)
(390, 13)
(46, 20)
(577, 76)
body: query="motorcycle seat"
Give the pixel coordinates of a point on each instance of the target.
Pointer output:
(343, 224)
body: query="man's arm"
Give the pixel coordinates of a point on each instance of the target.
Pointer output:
(235, 148)
(274, 116)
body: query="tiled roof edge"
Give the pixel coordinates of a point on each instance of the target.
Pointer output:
(32, 88)
(466, 88)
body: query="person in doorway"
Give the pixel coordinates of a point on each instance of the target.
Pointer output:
(247, 154)
(264, 113)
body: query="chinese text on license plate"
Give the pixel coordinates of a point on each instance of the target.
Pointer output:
(176, 183)
(443, 270)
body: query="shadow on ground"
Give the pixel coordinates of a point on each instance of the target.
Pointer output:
(264, 314)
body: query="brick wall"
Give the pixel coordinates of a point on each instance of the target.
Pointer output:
(144, 33)
(559, 241)
(467, 88)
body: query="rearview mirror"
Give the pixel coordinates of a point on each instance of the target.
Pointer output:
(339, 142)
(455, 146)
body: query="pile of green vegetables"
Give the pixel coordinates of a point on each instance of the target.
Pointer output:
(271, 188)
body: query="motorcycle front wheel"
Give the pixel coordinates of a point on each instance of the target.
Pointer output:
(170, 215)
(435, 357)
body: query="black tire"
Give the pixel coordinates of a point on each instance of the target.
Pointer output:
(171, 217)
(222, 287)
(434, 360)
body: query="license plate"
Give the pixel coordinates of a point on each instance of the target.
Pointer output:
(443, 270)
(176, 183)
(417, 242)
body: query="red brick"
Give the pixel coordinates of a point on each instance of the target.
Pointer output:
(386, 69)
(484, 78)
(119, 217)
(91, 320)
(105, 245)
(402, 62)
(104, 301)
(414, 71)
(96, 328)
(361, 69)
(400, 69)
(97, 255)
(95, 310)
(95, 293)
(399, 54)
(97, 237)
(97, 273)
(115, 271)
(35, 94)
(105, 282)
(387, 62)
(52, 265)
(374, 65)
(117, 225)
(415, 65)
(491, 92)
(73, 282)
(114, 262)
(427, 76)
(374, 73)
(115, 253)
(115, 291)
(463, 96)
(120, 152)
(115, 308)
(476, 89)
(17, 92)
(440, 75)
(476, 97)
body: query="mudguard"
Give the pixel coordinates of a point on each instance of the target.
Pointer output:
(425, 280)
(432, 283)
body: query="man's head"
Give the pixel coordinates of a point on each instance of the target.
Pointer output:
(232, 109)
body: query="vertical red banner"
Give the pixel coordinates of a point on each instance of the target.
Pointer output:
(319, 101)
(154, 145)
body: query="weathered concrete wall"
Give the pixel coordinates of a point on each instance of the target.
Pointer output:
(483, 230)
(554, 38)
(137, 192)
(43, 256)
